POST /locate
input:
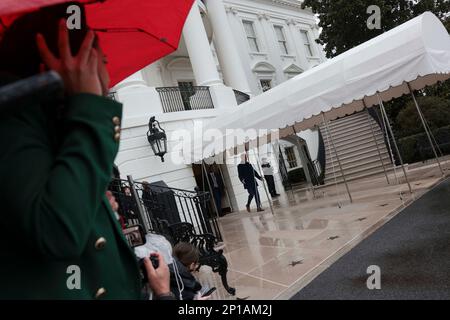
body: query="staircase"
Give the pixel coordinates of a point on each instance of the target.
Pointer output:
(356, 148)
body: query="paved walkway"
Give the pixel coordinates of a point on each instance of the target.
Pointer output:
(275, 256)
(412, 251)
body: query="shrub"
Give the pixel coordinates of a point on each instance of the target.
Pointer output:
(416, 147)
(436, 111)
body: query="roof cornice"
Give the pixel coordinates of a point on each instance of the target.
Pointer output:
(289, 3)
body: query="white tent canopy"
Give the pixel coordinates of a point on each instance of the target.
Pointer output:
(416, 52)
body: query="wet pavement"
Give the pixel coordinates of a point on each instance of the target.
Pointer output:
(411, 253)
(273, 256)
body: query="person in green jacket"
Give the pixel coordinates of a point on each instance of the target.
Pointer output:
(59, 238)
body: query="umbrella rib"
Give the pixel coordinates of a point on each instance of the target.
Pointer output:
(163, 40)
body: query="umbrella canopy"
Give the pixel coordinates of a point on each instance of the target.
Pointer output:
(133, 33)
(416, 52)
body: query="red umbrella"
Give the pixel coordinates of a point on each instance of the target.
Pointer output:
(133, 33)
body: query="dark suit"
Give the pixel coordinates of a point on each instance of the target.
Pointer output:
(247, 175)
(54, 213)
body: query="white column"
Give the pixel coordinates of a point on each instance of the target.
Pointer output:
(139, 100)
(199, 49)
(227, 52)
(134, 80)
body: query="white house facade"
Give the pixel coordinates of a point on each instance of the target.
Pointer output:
(230, 51)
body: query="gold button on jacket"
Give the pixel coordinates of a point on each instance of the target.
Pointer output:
(116, 121)
(100, 243)
(100, 293)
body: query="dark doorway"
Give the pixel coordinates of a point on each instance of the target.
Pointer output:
(210, 178)
(187, 90)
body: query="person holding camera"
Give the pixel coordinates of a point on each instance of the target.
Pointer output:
(268, 175)
(60, 238)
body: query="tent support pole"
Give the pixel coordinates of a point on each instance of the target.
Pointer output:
(376, 142)
(263, 181)
(384, 114)
(422, 119)
(337, 157)
(299, 146)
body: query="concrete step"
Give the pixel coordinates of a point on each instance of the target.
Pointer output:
(351, 134)
(348, 119)
(369, 151)
(355, 160)
(363, 148)
(357, 151)
(351, 166)
(351, 125)
(339, 178)
(346, 131)
(341, 146)
(358, 172)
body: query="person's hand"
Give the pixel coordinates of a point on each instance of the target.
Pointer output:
(158, 279)
(199, 297)
(79, 73)
(112, 201)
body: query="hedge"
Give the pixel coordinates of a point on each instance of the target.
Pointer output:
(417, 148)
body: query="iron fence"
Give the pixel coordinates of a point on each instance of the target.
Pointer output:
(158, 206)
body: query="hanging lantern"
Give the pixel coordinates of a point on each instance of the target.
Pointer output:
(157, 138)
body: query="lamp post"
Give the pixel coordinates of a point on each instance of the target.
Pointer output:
(157, 138)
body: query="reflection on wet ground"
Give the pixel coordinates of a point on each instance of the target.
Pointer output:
(273, 256)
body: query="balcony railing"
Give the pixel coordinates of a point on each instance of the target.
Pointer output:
(241, 97)
(176, 99)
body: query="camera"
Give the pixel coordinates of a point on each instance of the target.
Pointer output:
(155, 263)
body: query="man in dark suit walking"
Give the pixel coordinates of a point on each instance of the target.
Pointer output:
(248, 175)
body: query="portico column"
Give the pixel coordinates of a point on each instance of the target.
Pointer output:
(227, 52)
(199, 49)
(139, 100)
(135, 80)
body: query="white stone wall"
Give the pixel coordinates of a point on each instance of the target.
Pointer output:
(312, 140)
(266, 14)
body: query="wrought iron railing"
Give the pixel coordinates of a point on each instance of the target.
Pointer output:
(160, 206)
(318, 170)
(241, 97)
(283, 170)
(176, 99)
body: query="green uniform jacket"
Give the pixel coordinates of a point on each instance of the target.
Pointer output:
(55, 220)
